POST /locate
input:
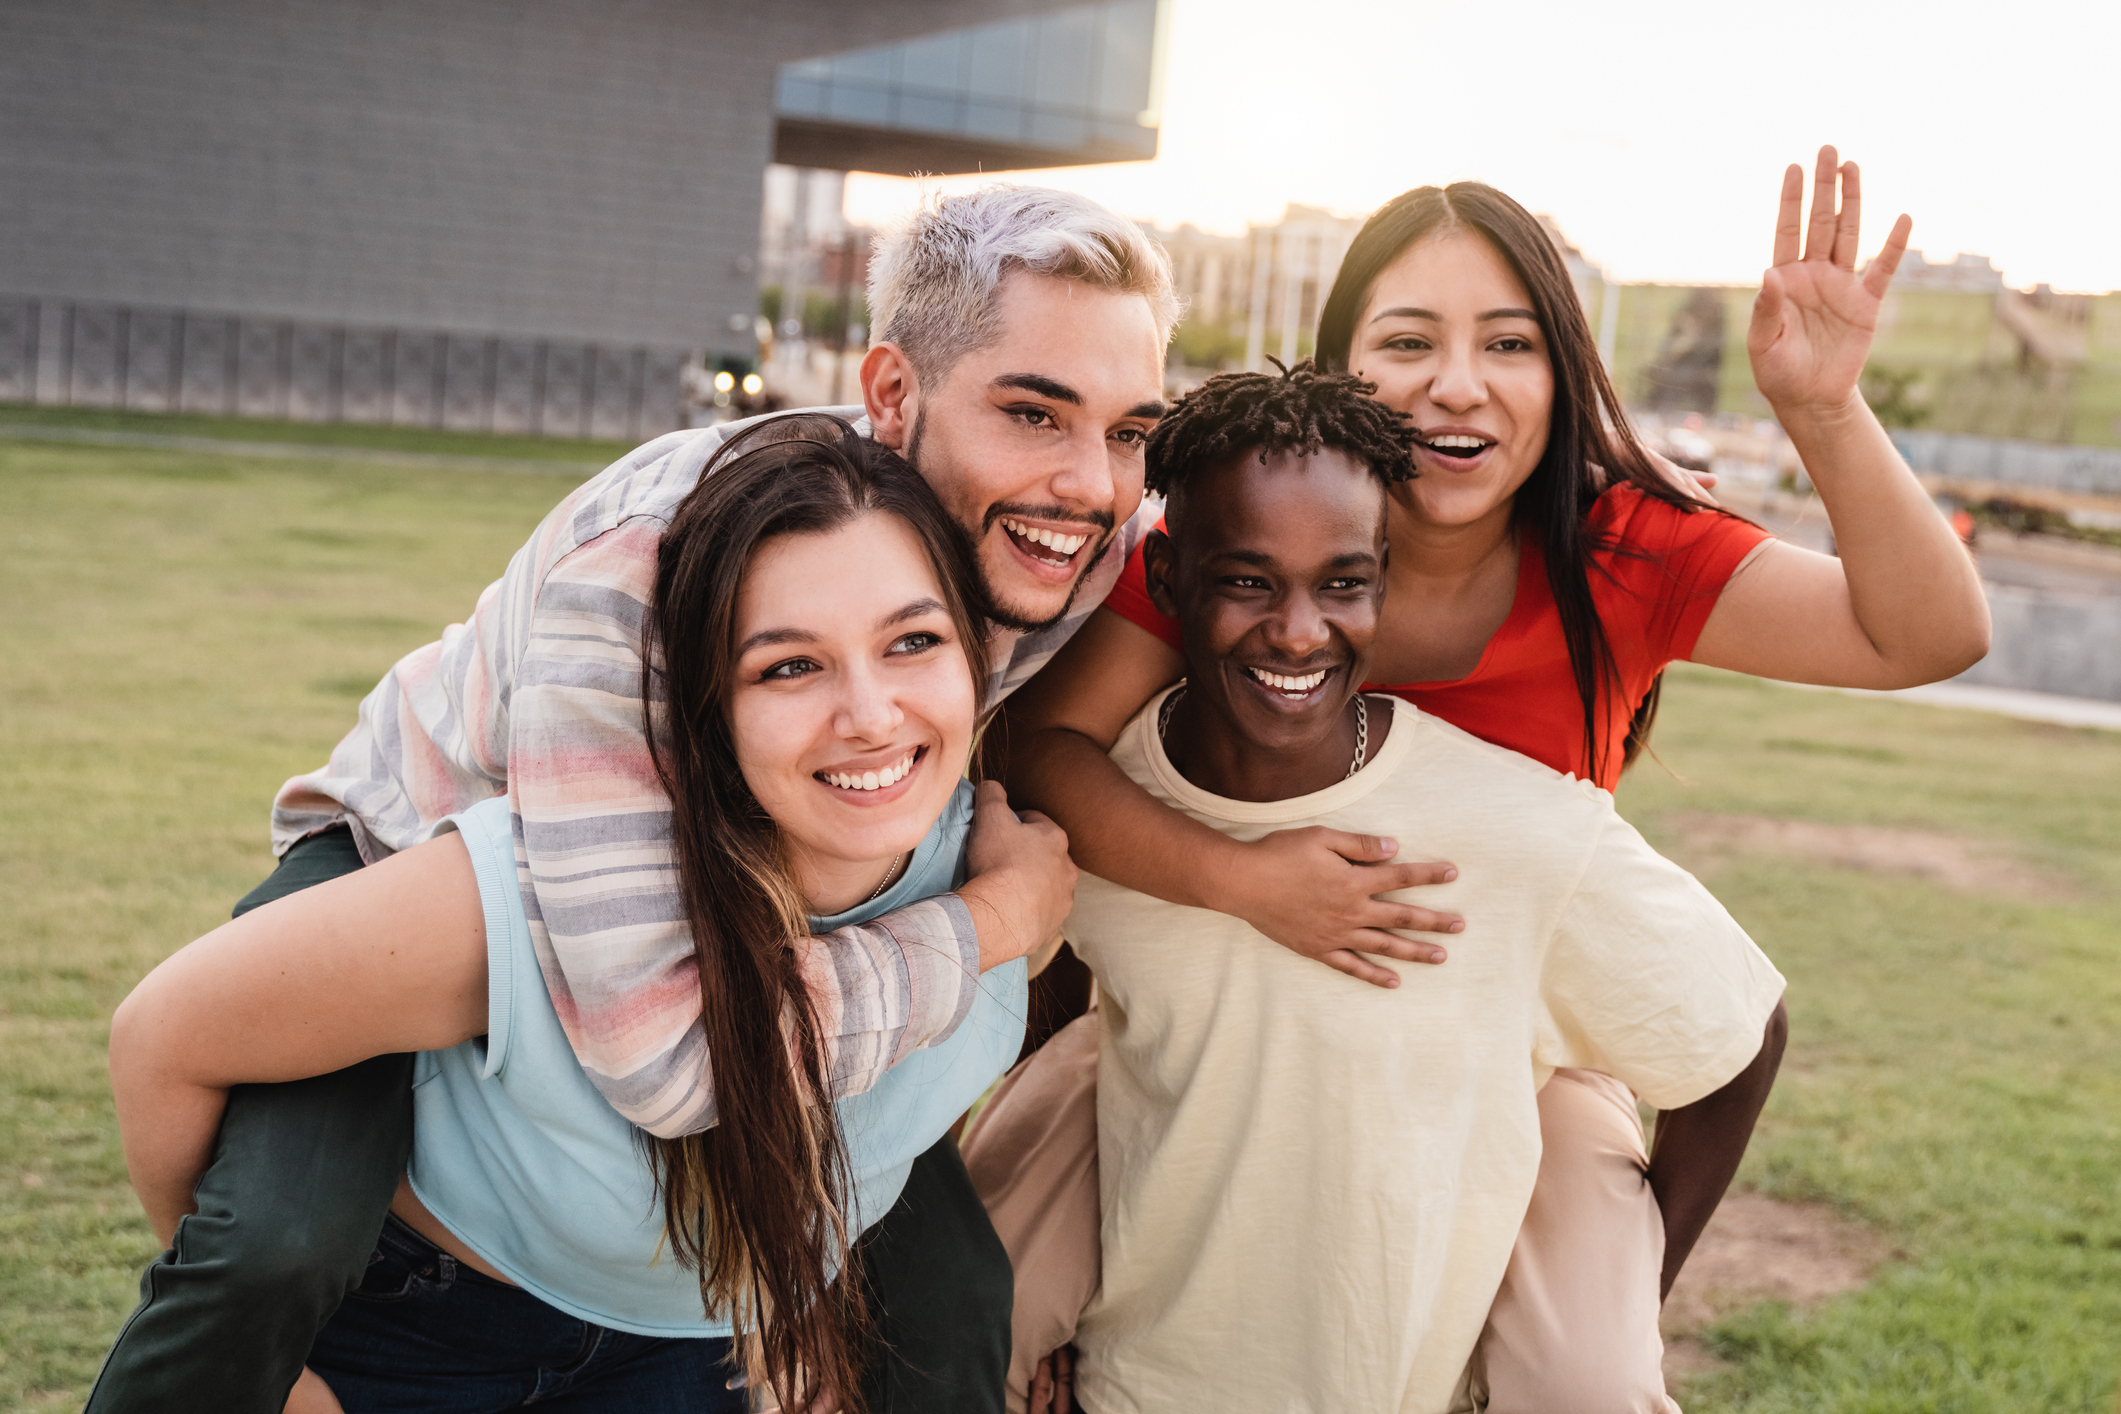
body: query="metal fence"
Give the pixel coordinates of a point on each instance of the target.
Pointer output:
(68, 353)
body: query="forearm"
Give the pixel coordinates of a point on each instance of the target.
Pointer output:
(1116, 830)
(1912, 587)
(1699, 1146)
(167, 1126)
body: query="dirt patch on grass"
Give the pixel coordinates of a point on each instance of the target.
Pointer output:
(1758, 1249)
(1956, 862)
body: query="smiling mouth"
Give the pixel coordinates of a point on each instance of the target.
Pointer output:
(1295, 688)
(1457, 446)
(1052, 547)
(890, 775)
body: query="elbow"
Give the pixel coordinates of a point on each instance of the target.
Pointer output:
(1950, 653)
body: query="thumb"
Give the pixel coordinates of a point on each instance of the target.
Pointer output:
(1767, 306)
(1360, 849)
(989, 797)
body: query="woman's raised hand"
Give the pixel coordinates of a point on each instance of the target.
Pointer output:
(1815, 317)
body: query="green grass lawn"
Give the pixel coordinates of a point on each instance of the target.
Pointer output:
(425, 441)
(184, 632)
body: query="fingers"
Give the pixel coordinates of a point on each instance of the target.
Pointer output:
(1360, 849)
(1360, 968)
(1819, 236)
(1851, 223)
(1881, 272)
(1392, 945)
(989, 795)
(1789, 218)
(1385, 879)
(1412, 919)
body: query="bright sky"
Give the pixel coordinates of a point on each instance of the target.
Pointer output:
(1656, 132)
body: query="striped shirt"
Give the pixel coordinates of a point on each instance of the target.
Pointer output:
(538, 696)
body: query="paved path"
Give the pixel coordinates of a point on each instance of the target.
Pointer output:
(2009, 701)
(302, 451)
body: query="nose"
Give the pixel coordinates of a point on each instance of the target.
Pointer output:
(1458, 386)
(1086, 480)
(868, 711)
(1297, 628)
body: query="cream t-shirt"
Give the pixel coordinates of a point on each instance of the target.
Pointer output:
(1311, 1186)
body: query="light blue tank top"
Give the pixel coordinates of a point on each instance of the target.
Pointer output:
(517, 1153)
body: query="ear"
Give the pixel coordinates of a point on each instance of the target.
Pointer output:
(1159, 563)
(891, 393)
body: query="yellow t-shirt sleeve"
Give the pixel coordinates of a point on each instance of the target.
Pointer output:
(1649, 980)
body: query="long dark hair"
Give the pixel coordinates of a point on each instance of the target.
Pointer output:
(1587, 432)
(756, 1205)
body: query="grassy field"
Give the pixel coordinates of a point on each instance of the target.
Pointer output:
(370, 436)
(184, 632)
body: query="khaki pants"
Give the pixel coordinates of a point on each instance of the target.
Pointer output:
(1573, 1329)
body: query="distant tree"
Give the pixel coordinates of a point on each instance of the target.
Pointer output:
(1891, 393)
(1201, 343)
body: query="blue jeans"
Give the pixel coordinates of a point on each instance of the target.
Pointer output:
(424, 1332)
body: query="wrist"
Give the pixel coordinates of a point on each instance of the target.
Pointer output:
(984, 897)
(1225, 878)
(1810, 423)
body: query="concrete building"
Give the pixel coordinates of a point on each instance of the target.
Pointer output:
(505, 214)
(1256, 294)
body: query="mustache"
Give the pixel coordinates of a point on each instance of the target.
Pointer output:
(1024, 510)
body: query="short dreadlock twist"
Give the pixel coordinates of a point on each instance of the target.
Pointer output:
(1303, 410)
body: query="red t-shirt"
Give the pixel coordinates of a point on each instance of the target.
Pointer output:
(1653, 598)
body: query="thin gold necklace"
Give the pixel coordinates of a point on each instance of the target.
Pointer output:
(888, 873)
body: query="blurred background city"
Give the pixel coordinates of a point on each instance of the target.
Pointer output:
(309, 310)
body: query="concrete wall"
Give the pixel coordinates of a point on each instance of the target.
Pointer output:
(550, 174)
(2051, 642)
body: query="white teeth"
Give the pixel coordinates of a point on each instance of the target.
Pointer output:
(1051, 539)
(1456, 440)
(1281, 682)
(873, 780)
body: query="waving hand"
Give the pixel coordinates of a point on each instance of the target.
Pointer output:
(1815, 317)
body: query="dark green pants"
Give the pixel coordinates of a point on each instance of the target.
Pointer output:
(302, 1175)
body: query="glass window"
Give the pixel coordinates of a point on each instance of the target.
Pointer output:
(1076, 81)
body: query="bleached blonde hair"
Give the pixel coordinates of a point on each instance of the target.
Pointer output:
(935, 279)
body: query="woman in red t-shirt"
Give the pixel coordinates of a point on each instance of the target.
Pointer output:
(1544, 569)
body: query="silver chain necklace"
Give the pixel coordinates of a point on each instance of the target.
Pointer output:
(1362, 727)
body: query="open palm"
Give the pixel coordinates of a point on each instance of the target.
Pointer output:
(1815, 317)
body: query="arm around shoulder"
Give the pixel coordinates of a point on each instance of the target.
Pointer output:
(1311, 890)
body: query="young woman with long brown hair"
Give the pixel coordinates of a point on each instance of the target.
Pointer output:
(813, 649)
(1543, 572)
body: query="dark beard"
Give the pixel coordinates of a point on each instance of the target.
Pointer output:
(990, 602)
(998, 615)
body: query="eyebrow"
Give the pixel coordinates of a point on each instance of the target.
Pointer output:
(1408, 311)
(1263, 559)
(1040, 384)
(1060, 392)
(772, 637)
